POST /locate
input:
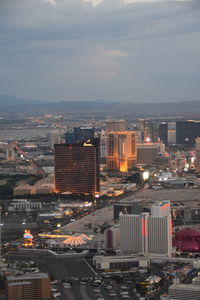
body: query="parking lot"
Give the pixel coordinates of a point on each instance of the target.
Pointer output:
(107, 287)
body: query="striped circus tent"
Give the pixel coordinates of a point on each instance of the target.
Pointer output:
(77, 240)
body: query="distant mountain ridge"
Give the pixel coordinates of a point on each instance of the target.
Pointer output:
(15, 104)
(8, 100)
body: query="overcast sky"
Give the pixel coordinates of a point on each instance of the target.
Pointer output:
(123, 50)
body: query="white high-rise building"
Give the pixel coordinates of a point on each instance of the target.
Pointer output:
(130, 233)
(147, 233)
(54, 138)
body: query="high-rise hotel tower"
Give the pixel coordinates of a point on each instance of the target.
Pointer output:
(147, 233)
(121, 150)
(77, 167)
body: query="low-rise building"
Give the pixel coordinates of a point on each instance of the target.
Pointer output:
(20, 205)
(116, 263)
(184, 292)
(112, 237)
(28, 287)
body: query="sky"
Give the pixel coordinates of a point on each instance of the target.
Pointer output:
(120, 50)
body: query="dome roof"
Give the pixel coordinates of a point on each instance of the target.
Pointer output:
(154, 279)
(27, 235)
(77, 240)
(187, 233)
(189, 246)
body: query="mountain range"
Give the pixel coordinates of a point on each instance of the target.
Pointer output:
(14, 104)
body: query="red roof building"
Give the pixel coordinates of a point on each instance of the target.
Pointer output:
(187, 240)
(187, 233)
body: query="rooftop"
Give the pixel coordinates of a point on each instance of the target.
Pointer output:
(185, 287)
(19, 283)
(27, 276)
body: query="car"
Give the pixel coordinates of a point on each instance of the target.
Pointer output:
(55, 281)
(55, 295)
(95, 284)
(69, 281)
(113, 294)
(54, 290)
(97, 281)
(96, 291)
(124, 287)
(109, 287)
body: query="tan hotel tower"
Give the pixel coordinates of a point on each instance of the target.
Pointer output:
(121, 150)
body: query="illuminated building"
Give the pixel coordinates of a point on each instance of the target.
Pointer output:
(147, 233)
(77, 240)
(163, 132)
(77, 167)
(82, 134)
(28, 239)
(187, 132)
(187, 240)
(149, 130)
(141, 126)
(121, 150)
(103, 150)
(197, 147)
(115, 125)
(28, 287)
(79, 134)
(152, 130)
(171, 136)
(198, 161)
(197, 143)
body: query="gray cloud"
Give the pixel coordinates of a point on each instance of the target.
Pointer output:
(68, 49)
